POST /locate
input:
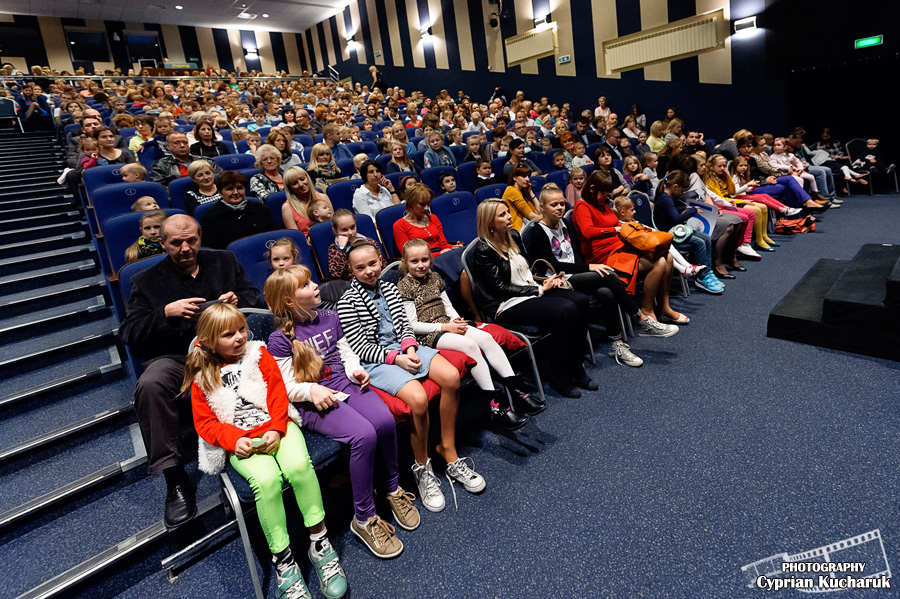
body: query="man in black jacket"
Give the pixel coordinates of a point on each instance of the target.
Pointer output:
(160, 322)
(175, 165)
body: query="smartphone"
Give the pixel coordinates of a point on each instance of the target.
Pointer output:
(257, 442)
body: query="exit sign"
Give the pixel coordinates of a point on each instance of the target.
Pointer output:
(875, 40)
(564, 59)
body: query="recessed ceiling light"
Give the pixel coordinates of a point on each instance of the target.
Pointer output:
(179, 7)
(247, 16)
(265, 16)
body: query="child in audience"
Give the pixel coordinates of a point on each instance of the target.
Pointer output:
(635, 178)
(531, 141)
(483, 174)
(343, 224)
(740, 175)
(133, 172)
(377, 330)
(577, 177)
(254, 140)
(559, 161)
(649, 160)
(400, 161)
(783, 159)
(242, 414)
(447, 183)
(90, 151)
(149, 243)
(282, 253)
(456, 137)
(719, 182)
(144, 203)
(322, 166)
(474, 151)
(320, 210)
(330, 389)
(504, 146)
(579, 159)
(437, 324)
(641, 147)
(357, 162)
(437, 154)
(144, 129)
(546, 144)
(259, 120)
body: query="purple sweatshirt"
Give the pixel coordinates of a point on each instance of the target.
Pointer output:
(322, 333)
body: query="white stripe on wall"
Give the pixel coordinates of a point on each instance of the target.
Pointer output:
(342, 35)
(375, 31)
(329, 41)
(605, 28)
(237, 50)
(172, 39)
(207, 47)
(314, 36)
(415, 38)
(653, 14)
(304, 47)
(715, 66)
(494, 40)
(266, 53)
(525, 22)
(55, 41)
(393, 27)
(439, 40)
(293, 56)
(357, 26)
(562, 14)
(464, 35)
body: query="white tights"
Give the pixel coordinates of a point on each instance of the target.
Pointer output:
(680, 263)
(473, 343)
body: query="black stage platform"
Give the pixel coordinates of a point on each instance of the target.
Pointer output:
(850, 305)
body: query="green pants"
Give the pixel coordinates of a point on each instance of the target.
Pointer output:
(264, 473)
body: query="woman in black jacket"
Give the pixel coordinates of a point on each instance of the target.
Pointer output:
(233, 217)
(206, 144)
(505, 291)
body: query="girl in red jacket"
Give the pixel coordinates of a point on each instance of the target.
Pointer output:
(242, 414)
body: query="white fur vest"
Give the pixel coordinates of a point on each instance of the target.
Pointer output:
(223, 401)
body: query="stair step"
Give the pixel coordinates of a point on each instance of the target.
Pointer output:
(32, 210)
(85, 368)
(67, 314)
(54, 167)
(44, 244)
(8, 223)
(55, 197)
(28, 189)
(862, 286)
(37, 299)
(56, 345)
(132, 527)
(24, 263)
(52, 275)
(28, 233)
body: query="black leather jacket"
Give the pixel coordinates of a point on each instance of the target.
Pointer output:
(492, 277)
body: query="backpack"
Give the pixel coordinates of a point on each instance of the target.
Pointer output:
(790, 226)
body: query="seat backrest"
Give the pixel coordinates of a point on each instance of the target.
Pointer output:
(391, 273)
(321, 236)
(242, 147)
(235, 162)
(251, 253)
(363, 147)
(395, 178)
(120, 232)
(457, 213)
(129, 270)
(178, 191)
(459, 152)
(371, 136)
(306, 140)
(248, 173)
(226, 135)
(497, 165)
(341, 193)
(467, 262)
(274, 203)
(642, 211)
(72, 130)
(419, 158)
(415, 140)
(149, 156)
(490, 191)
(384, 220)
(115, 199)
(432, 176)
(383, 160)
(525, 231)
(346, 167)
(560, 178)
(264, 132)
(99, 176)
(540, 160)
(591, 150)
(537, 183)
(260, 323)
(618, 164)
(469, 134)
(466, 175)
(8, 108)
(126, 133)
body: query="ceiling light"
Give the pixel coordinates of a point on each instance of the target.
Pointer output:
(247, 16)
(425, 33)
(265, 15)
(747, 24)
(179, 7)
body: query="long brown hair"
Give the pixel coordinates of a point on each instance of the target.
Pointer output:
(280, 290)
(203, 358)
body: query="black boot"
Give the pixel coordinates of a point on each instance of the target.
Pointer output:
(522, 400)
(502, 414)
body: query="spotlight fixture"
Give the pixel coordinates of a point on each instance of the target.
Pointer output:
(351, 39)
(539, 21)
(425, 33)
(494, 21)
(748, 24)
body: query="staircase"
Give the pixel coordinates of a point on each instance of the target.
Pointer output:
(851, 305)
(74, 493)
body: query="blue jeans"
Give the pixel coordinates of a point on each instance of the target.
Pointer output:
(699, 246)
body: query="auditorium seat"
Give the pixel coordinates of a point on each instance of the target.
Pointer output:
(457, 213)
(251, 253)
(235, 162)
(321, 236)
(341, 193)
(491, 191)
(112, 200)
(120, 232)
(384, 221)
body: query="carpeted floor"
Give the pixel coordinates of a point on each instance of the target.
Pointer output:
(725, 448)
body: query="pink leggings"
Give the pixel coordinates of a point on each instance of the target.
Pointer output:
(764, 199)
(804, 176)
(746, 215)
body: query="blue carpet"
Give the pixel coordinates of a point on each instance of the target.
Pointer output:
(725, 448)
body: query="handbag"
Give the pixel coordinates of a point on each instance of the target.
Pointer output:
(649, 243)
(540, 278)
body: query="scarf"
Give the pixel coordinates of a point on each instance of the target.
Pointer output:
(148, 248)
(236, 207)
(329, 170)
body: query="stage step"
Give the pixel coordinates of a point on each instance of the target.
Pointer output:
(860, 290)
(892, 289)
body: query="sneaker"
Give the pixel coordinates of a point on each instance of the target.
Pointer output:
(837, 202)
(650, 327)
(791, 211)
(709, 283)
(378, 536)
(622, 353)
(332, 580)
(746, 250)
(429, 487)
(290, 585)
(405, 513)
(460, 472)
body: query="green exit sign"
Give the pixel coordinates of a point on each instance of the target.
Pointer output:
(564, 59)
(875, 40)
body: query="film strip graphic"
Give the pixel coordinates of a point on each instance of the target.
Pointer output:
(866, 548)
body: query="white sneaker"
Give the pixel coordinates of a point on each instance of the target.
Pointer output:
(429, 486)
(650, 327)
(746, 250)
(622, 353)
(791, 211)
(460, 472)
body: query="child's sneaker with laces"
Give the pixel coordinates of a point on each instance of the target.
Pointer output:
(429, 486)
(622, 354)
(460, 472)
(405, 513)
(378, 536)
(290, 585)
(332, 580)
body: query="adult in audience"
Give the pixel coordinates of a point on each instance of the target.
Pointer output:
(300, 194)
(376, 193)
(583, 132)
(234, 216)
(305, 126)
(822, 174)
(159, 324)
(331, 135)
(612, 142)
(519, 197)
(207, 145)
(281, 141)
(200, 173)
(175, 165)
(270, 180)
(517, 158)
(419, 223)
(505, 290)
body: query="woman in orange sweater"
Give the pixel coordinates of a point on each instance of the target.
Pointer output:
(598, 232)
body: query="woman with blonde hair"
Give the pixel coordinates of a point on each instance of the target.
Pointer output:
(400, 160)
(300, 194)
(281, 141)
